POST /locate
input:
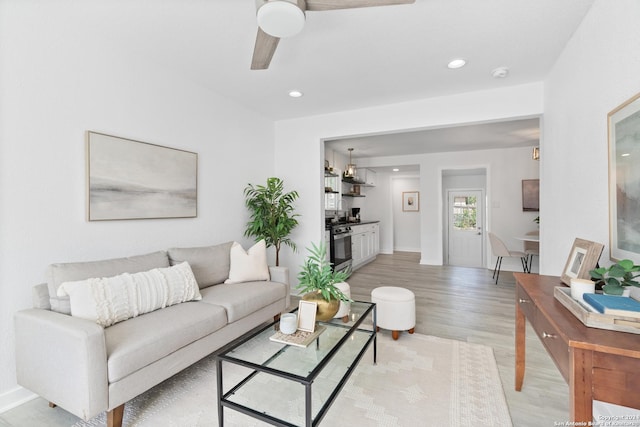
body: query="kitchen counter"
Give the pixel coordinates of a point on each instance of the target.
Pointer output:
(363, 222)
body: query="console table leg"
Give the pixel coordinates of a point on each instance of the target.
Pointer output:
(520, 346)
(580, 385)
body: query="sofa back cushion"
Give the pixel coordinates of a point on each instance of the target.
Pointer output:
(74, 271)
(210, 264)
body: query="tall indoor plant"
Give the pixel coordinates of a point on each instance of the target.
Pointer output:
(272, 214)
(317, 280)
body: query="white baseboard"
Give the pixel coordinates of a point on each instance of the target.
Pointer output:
(15, 397)
(403, 249)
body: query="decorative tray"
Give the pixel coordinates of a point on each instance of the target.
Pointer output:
(300, 338)
(594, 319)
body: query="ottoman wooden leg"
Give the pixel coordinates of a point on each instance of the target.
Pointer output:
(412, 330)
(345, 318)
(395, 335)
(377, 328)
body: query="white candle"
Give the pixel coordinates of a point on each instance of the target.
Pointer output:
(288, 323)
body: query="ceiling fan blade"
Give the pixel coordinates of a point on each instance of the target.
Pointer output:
(263, 51)
(319, 5)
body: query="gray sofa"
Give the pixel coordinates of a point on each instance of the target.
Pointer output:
(87, 369)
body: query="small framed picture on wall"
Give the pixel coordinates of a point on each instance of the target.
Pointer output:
(410, 201)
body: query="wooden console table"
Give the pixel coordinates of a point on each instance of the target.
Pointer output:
(597, 364)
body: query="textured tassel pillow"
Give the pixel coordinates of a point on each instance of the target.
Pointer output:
(110, 300)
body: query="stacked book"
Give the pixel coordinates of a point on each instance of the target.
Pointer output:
(613, 305)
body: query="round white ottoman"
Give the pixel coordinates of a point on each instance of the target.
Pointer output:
(345, 307)
(396, 309)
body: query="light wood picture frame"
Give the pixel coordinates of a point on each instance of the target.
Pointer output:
(624, 180)
(584, 257)
(307, 315)
(129, 179)
(410, 201)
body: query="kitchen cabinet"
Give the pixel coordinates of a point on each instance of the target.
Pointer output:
(369, 177)
(365, 244)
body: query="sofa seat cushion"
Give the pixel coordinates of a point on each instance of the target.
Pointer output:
(242, 299)
(138, 342)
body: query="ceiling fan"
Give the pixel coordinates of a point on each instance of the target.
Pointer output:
(285, 18)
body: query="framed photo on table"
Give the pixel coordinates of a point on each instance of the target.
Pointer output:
(624, 180)
(584, 257)
(410, 201)
(307, 315)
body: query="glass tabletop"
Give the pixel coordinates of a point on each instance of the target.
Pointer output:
(304, 362)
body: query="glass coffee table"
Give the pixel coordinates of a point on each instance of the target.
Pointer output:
(286, 385)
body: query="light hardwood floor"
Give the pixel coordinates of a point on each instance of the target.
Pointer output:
(451, 302)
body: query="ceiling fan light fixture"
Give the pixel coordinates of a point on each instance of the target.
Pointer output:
(280, 18)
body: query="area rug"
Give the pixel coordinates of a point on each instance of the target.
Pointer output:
(418, 381)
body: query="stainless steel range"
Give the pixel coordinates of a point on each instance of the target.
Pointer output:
(341, 247)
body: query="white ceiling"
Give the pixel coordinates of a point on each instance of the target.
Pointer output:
(343, 59)
(346, 59)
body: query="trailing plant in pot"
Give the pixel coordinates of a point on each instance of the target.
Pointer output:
(617, 277)
(272, 214)
(317, 281)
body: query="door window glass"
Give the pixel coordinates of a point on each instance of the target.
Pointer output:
(464, 213)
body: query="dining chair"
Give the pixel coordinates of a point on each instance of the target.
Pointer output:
(500, 250)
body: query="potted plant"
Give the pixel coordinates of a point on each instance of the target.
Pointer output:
(272, 217)
(317, 281)
(617, 277)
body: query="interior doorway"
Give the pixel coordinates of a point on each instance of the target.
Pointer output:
(464, 214)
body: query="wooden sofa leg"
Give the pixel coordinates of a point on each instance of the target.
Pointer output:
(114, 416)
(52, 405)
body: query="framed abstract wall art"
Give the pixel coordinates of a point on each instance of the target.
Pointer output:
(128, 179)
(624, 180)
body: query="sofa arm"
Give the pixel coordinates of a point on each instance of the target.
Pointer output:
(63, 359)
(281, 274)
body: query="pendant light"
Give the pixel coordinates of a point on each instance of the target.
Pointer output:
(350, 170)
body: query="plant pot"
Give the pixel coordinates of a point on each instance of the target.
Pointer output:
(326, 309)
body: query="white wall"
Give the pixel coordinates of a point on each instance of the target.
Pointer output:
(597, 71)
(63, 79)
(406, 225)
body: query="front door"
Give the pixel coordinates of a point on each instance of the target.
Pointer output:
(465, 218)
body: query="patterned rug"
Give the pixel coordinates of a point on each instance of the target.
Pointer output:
(418, 381)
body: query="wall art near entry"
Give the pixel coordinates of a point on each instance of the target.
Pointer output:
(410, 201)
(624, 180)
(135, 180)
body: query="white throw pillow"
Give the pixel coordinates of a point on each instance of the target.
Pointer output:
(249, 266)
(110, 300)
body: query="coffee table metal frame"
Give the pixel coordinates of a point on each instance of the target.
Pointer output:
(306, 381)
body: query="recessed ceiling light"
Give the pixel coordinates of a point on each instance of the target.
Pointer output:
(295, 94)
(456, 63)
(396, 170)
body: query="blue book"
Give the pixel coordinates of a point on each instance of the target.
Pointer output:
(612, 304)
